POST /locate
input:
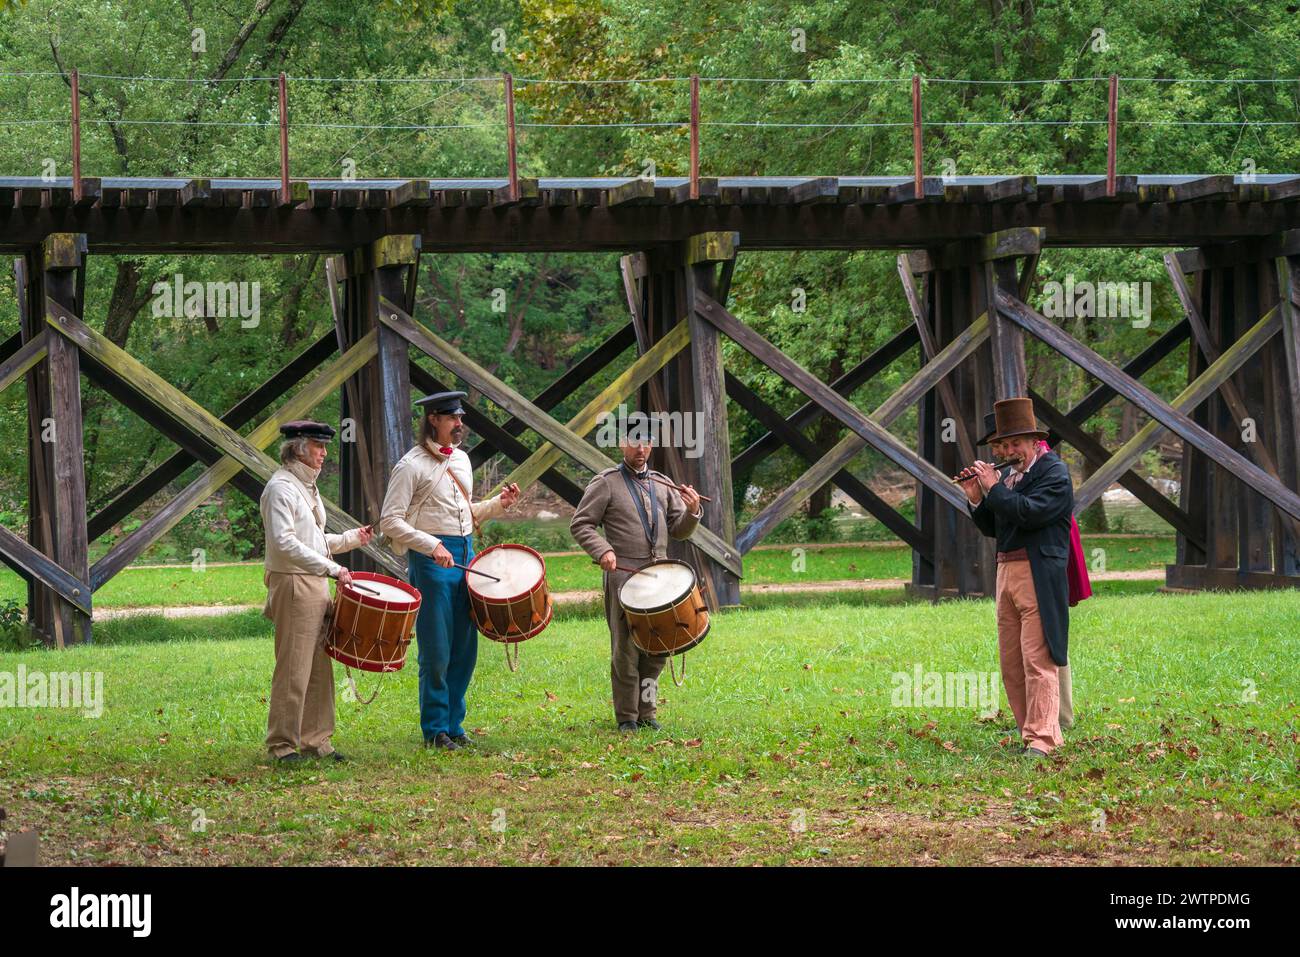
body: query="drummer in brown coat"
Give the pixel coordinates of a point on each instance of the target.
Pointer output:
(637, 515)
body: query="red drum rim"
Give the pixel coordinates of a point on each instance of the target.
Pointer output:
(365, 665)
(373, 601)
(695, 583)
(479, 596)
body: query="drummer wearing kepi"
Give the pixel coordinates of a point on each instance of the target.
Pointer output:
(637, 514)
(429, 511)
(298, 561)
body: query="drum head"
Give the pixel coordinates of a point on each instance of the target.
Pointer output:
(380, 591)
(657, 585)
(518, 566)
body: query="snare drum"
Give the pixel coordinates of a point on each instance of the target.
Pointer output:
(665, 611)
(373, 622)
(518, 606)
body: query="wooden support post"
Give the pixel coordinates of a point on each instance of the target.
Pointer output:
(64, 260)
(929, 349)
(704, 543)
(396, 264)
(28, 281)
(350, 280)
(1006, 339)
(709, 473)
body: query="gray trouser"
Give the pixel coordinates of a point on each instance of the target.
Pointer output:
(634, 675)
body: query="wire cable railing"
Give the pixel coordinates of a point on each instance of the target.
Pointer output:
(693, 125)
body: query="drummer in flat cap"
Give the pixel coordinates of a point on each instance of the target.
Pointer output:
(1028, 511)
(429, 514)
(298, 562)
(637, 515)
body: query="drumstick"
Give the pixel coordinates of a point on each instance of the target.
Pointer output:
(357, 585)
(703, 498)
(476, 572)
(624, 568)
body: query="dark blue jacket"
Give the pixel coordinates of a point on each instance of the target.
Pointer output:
(1035, 515)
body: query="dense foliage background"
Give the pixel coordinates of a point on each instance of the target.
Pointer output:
(368, 65)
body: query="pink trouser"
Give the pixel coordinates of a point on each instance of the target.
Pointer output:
(1029, 674)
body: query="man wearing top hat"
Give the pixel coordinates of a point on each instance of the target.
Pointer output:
(428, 513)
(1028, 512)
(298, 551)
(999, 449)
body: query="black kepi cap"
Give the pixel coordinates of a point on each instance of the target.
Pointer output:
(307, 429)
(444, 403)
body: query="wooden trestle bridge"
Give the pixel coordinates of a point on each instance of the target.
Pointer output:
(968, 248)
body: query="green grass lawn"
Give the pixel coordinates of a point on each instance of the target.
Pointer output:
(783, 746)
(242, 584)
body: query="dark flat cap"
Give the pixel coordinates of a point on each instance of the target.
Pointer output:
(444, 403)
(307, 429)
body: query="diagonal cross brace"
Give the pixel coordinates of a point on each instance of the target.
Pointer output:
(944, 362)
(560, 439)
(186, 412)
(867, 428)
(1161, 411)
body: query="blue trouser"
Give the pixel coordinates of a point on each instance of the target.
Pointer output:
(444, 631)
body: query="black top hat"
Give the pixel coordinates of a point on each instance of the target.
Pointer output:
(444, 403)
(990, 427)
(307, 429)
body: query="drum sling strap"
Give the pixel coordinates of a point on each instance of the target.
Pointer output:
(651, 524)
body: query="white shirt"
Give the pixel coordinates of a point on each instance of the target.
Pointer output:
(294, 518)
(423, 502)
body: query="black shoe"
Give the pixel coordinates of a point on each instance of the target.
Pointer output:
(1034, 753)
(627, 726)
(443, 741)
(649, 723)
(463, 741)
(293, 757)
(335, 756)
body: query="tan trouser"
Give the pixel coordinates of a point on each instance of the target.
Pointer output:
(1067, 696)
(302, 689)
(1029, 674)
(634, 675)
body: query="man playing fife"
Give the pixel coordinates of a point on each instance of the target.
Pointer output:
(1028, 513)
(428, 510)
(298, 561)
(638, 514)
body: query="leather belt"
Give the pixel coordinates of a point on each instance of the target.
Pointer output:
(1019, 555)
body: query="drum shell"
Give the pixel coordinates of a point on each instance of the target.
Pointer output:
(671, 628)
(512, 619)
(367, 632)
